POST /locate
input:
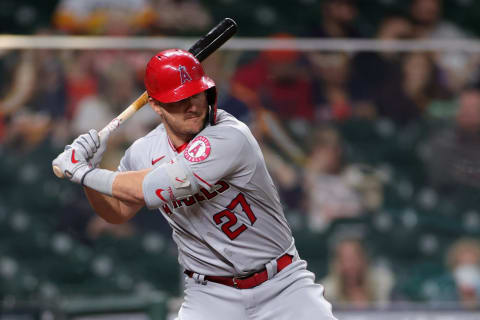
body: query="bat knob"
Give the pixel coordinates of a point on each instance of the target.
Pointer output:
(58, 172)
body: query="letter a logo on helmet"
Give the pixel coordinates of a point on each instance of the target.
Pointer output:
(173, 75)
(184, 76)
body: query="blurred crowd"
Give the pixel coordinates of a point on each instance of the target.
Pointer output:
(346, 137)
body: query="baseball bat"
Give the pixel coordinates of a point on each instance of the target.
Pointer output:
(201, 49)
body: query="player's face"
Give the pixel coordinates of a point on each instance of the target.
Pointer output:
(186, 117)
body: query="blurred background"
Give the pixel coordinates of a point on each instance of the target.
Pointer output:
(375, 152)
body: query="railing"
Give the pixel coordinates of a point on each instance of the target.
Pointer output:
(237, 44)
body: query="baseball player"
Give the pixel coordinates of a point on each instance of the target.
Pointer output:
(204, 171)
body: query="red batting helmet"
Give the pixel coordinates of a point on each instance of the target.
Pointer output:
(173, 75)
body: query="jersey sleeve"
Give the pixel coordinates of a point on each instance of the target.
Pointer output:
(220, 153)
(125, 162)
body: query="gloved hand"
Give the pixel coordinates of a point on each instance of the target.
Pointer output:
(91, 145)
(73, 164)
(103, 139)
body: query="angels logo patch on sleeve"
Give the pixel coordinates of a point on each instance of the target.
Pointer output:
(198, 150)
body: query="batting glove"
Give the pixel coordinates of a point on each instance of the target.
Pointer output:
(92, 145)
(86, 144)
(102, 140)
(73, 164)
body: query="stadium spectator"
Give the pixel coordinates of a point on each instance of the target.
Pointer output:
(352, 281)
(430, 24)
(451, 155)
(81, 79)
(286, 174)
(320, 183)
(105, 17)
(87, 70)
(337, 18)
(17, 79)
(180, 16)
(372, 71)
(50, 94)
(419, 86)
(463, 260)
(331, 72)
(276, 80)
(17, 83)
(26, 130)
(34, 111)
(460, 283)
(131, 17)
(326, 192)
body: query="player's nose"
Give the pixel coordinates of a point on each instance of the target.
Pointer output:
(193, 105)
(190, 106)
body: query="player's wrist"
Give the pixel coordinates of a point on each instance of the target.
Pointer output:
(80, 172)
(100, 180)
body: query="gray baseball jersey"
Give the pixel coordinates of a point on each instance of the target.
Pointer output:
(235, 224)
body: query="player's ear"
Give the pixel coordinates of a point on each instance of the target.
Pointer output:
(155, 105)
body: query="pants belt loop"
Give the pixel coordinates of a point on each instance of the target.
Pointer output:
(271, 268)
(199, 278)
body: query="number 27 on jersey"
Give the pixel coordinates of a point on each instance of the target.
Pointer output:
(229, 218)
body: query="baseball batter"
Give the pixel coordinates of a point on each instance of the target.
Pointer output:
(204, 171)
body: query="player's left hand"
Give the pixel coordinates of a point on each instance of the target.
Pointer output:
(73, 164)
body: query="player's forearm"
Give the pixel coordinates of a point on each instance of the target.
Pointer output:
(106, 207)
(127, 186)
(124, 186)
(126, 199)
(110, 209)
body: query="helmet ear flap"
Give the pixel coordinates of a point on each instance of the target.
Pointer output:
(212, 105)
(210, 118)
